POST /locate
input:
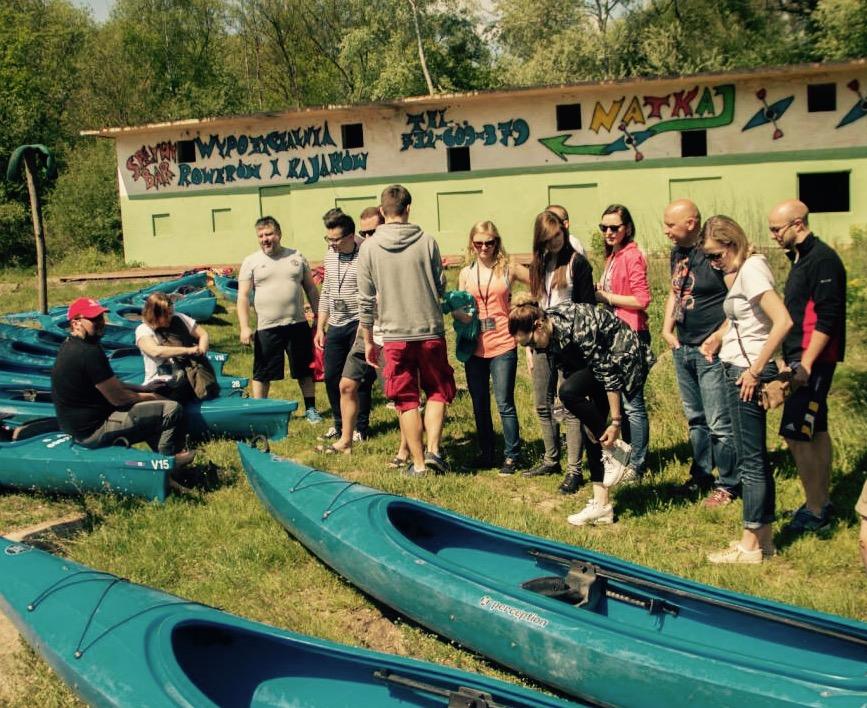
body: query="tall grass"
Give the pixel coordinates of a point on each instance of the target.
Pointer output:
(220, 546)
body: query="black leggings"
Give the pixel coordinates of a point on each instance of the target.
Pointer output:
(586, 399)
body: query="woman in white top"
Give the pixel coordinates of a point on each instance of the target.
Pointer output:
(157, 334)
(757, 321)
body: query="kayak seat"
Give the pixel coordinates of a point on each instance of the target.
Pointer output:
(40, 426)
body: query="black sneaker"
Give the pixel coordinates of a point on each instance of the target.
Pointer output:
(411, 471)
(542, 468)
(804, 520)
(510, 466)
(436, 462)
(571, 482)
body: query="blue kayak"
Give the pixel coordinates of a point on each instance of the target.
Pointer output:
(230, 417)
(116, 643)
(51, 462)
(49, 339)
(588, 624)
(115, 336)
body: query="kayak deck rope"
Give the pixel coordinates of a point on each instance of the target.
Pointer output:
(692, 595)
(96, 576)
(330, 509)
(463, 697)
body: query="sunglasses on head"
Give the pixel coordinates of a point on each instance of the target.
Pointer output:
(714, 255)
(366, 232)
(613, 228)
(484, 244)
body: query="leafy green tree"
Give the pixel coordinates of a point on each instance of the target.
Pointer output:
(841, 29)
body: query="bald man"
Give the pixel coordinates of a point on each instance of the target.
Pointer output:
(816, 299)
(693, 317)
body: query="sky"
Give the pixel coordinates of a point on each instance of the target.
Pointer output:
(98, 8)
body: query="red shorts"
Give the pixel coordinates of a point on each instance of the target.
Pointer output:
(409, 365)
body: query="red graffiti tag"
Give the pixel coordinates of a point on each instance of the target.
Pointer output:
(150, 163)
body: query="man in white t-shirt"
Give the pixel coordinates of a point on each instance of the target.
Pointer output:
(280, 277)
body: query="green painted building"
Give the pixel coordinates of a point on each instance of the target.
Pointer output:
(735, 143)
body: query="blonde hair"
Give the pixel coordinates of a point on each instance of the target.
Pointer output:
(501, 258)
(727, 233)
(157, 306)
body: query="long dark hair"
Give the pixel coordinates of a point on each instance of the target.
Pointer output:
(626, 218)
(547, 226)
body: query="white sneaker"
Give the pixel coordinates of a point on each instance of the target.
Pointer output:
(330, 434)
(593, 514)
(614, 471)
(356, 437)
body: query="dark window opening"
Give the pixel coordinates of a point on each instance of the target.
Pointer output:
(824, 191)
(821, 97)
(353, 135)
(693, 143)
(458, 159)
(186, 151)
(569, 116)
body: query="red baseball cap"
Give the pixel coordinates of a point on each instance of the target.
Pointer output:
(85, 307)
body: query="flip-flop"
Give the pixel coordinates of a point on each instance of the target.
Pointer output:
(397, 462)
(331, 450)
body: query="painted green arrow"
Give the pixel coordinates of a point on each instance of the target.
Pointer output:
(558, 143)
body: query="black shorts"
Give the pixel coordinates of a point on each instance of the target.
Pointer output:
(296, 340)
(805, 413)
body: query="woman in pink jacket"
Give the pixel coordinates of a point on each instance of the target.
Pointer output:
(625, 291)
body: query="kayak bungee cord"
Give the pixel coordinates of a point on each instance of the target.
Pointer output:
(328, 509)
(112, 580)
(690, 595)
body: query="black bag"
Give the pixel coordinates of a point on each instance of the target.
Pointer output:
(191, 376)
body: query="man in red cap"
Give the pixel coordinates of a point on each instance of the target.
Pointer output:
(94, 406)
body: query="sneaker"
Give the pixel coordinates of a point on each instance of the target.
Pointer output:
(510, 466)
(411, 471)
(312, 416)
(330, 434)
(438, 463)
(593, 514)
(736, 554)
(630, 477)
(571, 482)
(542, 468)
(719, 497)
(767, 551)
(805, 520)
(358, 437)
(614, 471)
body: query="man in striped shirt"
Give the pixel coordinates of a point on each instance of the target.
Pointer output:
(338, 309)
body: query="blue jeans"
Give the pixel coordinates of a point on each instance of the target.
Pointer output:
(636, 424)
(748, 423)
(501, 370)
(703, 392)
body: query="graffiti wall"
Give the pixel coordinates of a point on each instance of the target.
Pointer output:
(637, 122)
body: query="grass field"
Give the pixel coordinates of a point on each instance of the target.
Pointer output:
(220, 547)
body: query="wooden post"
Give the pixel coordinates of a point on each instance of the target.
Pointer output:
(38, 230)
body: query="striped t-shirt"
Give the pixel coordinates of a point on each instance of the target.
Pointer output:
(339, 296)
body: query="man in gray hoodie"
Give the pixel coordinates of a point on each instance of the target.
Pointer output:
(400, 272)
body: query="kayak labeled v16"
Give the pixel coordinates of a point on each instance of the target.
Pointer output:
(586, 623)
(116, 643)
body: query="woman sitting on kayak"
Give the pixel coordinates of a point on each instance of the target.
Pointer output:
(163, 336)
(600, 357)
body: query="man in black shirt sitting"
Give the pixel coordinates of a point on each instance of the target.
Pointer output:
(94, 406)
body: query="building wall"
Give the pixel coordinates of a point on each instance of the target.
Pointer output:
(190, 193)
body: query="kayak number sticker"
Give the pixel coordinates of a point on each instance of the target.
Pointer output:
(17, 549)
(492, 605)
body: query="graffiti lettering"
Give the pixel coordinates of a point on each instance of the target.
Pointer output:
(151, 164)
(314, 168)
(431, 127)
(679, 103)
(218, 175)
(604, 118)
(683, 101)
(277, 141)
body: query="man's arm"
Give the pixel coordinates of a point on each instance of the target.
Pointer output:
(246, 334)
(122, 396)
(668, 333)
(311, 290)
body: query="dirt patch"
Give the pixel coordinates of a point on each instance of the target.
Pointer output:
(375, 632)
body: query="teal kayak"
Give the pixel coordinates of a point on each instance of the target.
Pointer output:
(116, 643)
(235, 417)
(588, 624)
(51, 462)
(49, 339)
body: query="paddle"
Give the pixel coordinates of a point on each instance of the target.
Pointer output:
(690, 595)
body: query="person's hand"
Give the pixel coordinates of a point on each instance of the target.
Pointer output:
(319, 339)
(371, 354)
(202, 348)
(671, 340)
(801, 377)
(748, 382)
(192, 351)
(246, 336)
(602, 296)
(609, 437)
(710, 347)
(462, 315)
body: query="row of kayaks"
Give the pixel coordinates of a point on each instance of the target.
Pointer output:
(597, 629)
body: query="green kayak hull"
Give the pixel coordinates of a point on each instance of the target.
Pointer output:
(53, 463)
(588, 624)
(120, 644)
(235, 418)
